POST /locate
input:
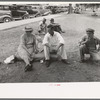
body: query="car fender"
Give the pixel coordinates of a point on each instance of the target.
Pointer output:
(4, 16)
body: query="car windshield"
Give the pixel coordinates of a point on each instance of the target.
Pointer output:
(24, 7)
(4, 7)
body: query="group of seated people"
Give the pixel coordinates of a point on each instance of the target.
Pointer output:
(53, 42)
(43, 26)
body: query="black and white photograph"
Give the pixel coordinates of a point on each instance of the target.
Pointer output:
(49, 42)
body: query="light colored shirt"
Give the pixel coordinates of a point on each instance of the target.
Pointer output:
(53, 40)
(91, 44)
(28, 42)
(42, 26)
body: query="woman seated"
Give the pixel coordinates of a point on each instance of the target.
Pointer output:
(27, 48)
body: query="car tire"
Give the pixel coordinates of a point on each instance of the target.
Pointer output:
(6, 19)
(25, 17)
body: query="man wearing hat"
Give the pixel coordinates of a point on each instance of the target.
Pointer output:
(43, 27)
(56, 26)
(88, 44)
(54, 43)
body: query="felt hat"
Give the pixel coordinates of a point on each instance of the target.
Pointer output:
(50, 26)
(90, 30)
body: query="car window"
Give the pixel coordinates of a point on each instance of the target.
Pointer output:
(1, 7)
(21, 7)
(6, 8)
(28, 7)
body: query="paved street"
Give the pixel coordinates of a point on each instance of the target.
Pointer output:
(74, 26)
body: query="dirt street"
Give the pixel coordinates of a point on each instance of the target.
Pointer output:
(74, 26)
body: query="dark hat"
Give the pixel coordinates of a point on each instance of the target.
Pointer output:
(90, 30)
(52, 19)
(50, 26)
(28, 29)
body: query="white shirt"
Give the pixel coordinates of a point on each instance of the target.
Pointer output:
(42, 25)
(53, 40)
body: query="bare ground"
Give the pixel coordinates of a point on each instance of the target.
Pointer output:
(74, 26)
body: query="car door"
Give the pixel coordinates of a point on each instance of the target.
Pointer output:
(14, 12)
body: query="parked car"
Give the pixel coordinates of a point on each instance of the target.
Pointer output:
(28, 8)
(5, 16)
(10, 12)
(41, 11)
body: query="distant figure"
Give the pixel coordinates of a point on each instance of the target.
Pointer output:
(42, 27)
(54, 44)
(56, 26)
(70, 9)
(27, 48)
(94, 13)
(88, 45)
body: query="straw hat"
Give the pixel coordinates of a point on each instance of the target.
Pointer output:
(28, 29)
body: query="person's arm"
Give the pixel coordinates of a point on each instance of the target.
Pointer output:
(46, 28)
(61, 41)
(45, 41)
(59, 45)
(83, 41)
(35, 45)
(22, 42)
(40, 26)
(98, 43)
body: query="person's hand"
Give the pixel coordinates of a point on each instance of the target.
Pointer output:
(36, 51)
(79, 43)
(98, 48)
(85, 42)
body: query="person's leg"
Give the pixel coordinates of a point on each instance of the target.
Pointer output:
(60, 29)
(47, 55)
(62, 54)
(26, 60)
(25, 57)
(83, 50)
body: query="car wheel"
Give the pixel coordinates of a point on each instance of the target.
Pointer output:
(25, 17)
(6, 19)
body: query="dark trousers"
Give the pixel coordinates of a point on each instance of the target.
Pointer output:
(83, 50)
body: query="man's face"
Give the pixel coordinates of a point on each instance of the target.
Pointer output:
(28, 32)
(90, 35)
(51, 31)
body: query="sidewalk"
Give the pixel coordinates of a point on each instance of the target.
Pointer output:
(13, 24)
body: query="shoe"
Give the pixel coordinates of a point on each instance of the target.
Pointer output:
(28, 68)
(65, 61)
(47, 63)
